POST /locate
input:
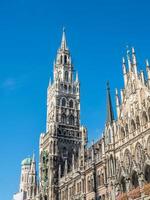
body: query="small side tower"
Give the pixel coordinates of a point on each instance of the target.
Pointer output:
(25, 169)
(32, 183)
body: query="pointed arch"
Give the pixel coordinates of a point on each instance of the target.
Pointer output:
(71, 120)
(65, 59)
(66, 76)
(63, 102)
(123, 184)
(127, 160)
(71, 103)
(144, 118)
(138, 152)
(110, 135)
(63, 119)
(137, 122)
(126, 129)
(122, 133)
(133, 127)
(134, 179)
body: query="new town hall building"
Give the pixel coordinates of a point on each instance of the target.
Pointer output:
(117, 166)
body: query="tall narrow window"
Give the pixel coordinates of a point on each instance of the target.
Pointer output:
(137, 122)
(123, 184)
(65, 59)
(135, 181)
(63, 119)
(132, 125)
(71, 103)
(66, 76)
(144, 116)
(71, 120)
(64, 102)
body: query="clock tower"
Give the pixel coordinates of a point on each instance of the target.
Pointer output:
(60, 145)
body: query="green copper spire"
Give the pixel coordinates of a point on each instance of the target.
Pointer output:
(110, 114)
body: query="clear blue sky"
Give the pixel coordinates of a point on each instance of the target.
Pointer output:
(30, 32)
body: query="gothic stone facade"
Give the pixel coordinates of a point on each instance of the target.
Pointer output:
(117, 166)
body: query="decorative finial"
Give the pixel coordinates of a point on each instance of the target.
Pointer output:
(108, 88)
(50, 82)
(128, 58)
(77, 77)
(147, 63)
(63, 41)
(123, 60)
(116, 91)
(133, 50)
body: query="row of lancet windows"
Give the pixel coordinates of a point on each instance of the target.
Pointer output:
(64, 119)
(64, 103)
(99, 182)
(63, 59)
(69, 88)
(135, 124)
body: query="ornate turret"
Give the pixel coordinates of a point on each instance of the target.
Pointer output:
(32, 182)
(117, 104)
(110, 114)
(124, 71)
(134, 62)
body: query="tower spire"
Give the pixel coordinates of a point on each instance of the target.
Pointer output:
(128, 59)
(124, 71)
(134, 62)
(63, 40)
(110, 114)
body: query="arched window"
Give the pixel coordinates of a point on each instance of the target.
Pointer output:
(71, 120)
(70, 88)
(134, 179)
(89, 184)
(122, 133)
(71, 103)
(65, 88)
(61, 59)
(65, 59)
(147, 173)
(111, 165)
(63, 102)
(98, 179)
(126, 129)
(102, 179)
(74, 89)
(137, 122)
(65, 152)
(123, 184)
(138, 153)
(144, 117)
(127, 160)
(63, 119)
(66, 76)
(132, 125)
